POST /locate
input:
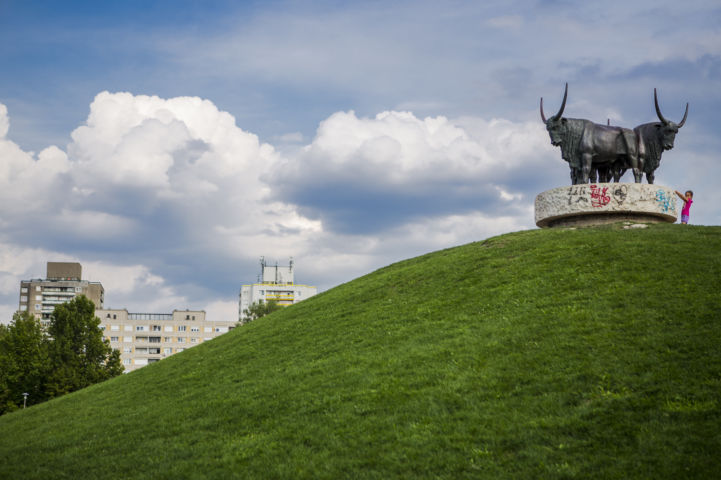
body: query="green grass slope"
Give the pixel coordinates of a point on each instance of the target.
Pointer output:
(589, 353)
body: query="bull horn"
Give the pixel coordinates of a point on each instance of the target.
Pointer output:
(658, 110)
(684, 117)
(563, 106)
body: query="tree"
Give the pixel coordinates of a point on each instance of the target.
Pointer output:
(79, 355)
(23, 362)
(260, 309)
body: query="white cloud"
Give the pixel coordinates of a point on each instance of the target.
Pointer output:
(364, 174)
(4, 121)
(222, 310)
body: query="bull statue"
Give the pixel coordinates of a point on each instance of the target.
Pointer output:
(589, 147)
(657, 137)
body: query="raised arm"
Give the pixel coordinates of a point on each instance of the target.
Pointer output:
(681, 196)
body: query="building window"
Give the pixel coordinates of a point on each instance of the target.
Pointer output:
(221, 329)
(181, 328)
(23, 308)
(140, 328)
(193, 317)
(128, 339)
(24, 298)
(194, 329)
(261, 292)
(153, 360)
(126, 361)
(127, 349)
(187, 317)
(168, 351)
(168, 339)
(78, 289)
(141, 361)
(181, 339)
(208, 329)
(38, 288)
(24, 290)
(168, 328)
(156, 328)
(193, 340)
(154, 351)
(38, 306)
(128, 328)
(113, 339)
(114, 328)
(115, 316)
(39, 298)
(107, 316)
(154, 339)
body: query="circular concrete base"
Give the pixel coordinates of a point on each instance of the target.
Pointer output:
(596, 204)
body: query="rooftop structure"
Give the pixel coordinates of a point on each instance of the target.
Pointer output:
(274, 283)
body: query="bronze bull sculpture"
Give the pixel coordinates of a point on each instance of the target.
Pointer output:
(589, 147)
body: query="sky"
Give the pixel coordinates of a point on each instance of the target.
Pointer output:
(167, 146)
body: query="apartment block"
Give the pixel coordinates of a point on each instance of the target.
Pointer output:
(144, 338)
(275, 283)
(62, 283)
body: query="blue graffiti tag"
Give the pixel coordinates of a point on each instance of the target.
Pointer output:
(667, 202)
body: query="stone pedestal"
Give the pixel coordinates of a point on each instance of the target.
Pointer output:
(595, 204)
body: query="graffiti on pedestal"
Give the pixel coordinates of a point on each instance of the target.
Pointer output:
(620, 192)
(595, 195)
(577, 194)
(665, 200)
(599, 196)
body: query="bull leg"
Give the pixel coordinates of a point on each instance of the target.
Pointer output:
(618, 172)
(649, 177)
(575, 176)
(586, 164)
(637, 172)
(604, 174)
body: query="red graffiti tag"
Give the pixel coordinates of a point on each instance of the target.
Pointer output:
(599, 197)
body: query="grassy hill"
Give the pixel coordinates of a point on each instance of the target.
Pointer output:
(589, 353)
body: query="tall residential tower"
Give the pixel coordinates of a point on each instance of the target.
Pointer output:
(63, 282)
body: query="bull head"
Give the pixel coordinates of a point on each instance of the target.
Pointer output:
(554, 123)
(667, 129)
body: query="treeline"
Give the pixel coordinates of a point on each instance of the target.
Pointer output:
(44, 363)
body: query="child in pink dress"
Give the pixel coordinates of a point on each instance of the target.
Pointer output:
(687, 201)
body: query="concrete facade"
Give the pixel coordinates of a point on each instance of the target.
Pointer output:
(600, 203)
(63, 282)
(144, 338)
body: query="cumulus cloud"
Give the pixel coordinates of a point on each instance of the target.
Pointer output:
(173, 184)
(369, 174)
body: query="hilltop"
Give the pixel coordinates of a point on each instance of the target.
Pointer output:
(588, 353)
